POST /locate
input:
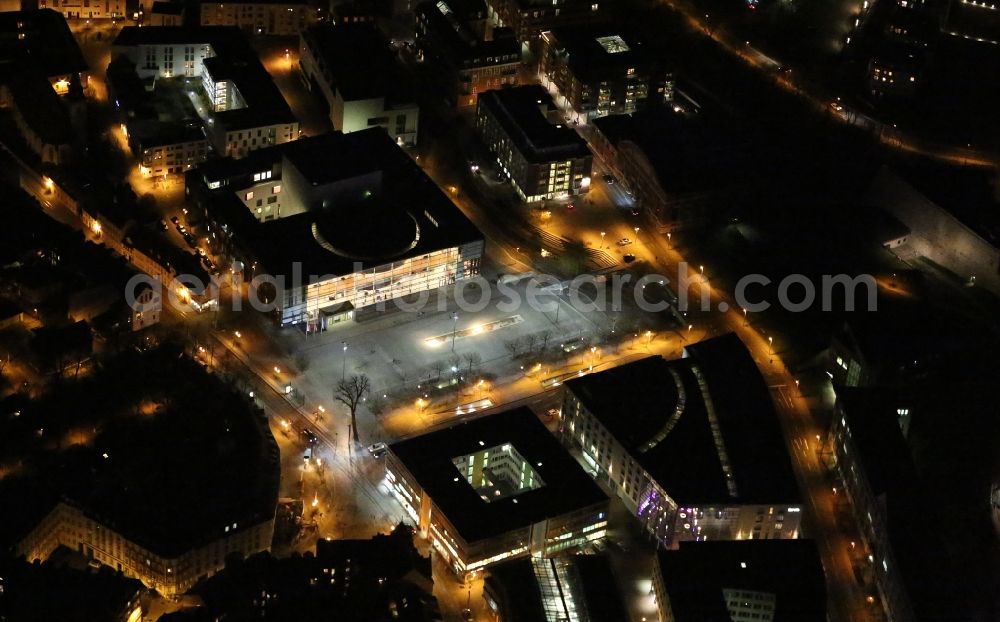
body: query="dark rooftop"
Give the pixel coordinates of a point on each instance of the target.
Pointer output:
(150, 35)
(595, 53)
(590, 588)
(920, 555)
(377, 580)
(382, 225)
(169, 8)
(463, 46)
(33, 592)
(658, 410)
(173, 477)
(41, 107)
(967, 193)
(871, 417)
(688, 154)
(697, 574)
(234, 59)
(429, 459)
(47, 42)
(524, 113)
(359, 61)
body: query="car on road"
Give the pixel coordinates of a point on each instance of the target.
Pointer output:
(552, 413)
(629, 258)
(570, 207)
(190, 239)
(175, 220)
(307, 454)
(162, 225)
(609, 179)
(311, 438)
(635, 211)
(573, 344)
(624, 242)
(377, 450)
(467, 615)
(209, 264)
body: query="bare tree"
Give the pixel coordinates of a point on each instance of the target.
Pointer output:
(351, 392)
(544, 336)
(530, 341)
(513, 346)
(437, 367)
(472, 358)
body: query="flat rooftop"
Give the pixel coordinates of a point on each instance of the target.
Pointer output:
(444, 17)
(524, 113)
(530, 589)
(150, 446)
(429, 458)
(359, 61)
(47, 42)
(661, 411)
(698, 575)
(234, 60)
(402, 215)
(595, 52)
(689, 153)
(53, 591)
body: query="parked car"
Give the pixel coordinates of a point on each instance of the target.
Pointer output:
(624, 242)
(377, 450)
(609, 179)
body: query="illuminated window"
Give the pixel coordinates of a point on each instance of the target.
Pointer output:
(249, 195)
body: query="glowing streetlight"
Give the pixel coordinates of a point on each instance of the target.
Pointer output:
(343, 371)
(602, 238)
(770, 346)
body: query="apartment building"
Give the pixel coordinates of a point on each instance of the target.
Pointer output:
(700, 455)
(542, 157)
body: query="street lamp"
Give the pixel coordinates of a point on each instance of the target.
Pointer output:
(454, 330)
(602, 239)
(770, 346)
(669, 245)
(343, 371)
(746, 320)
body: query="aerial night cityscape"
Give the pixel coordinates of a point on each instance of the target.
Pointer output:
(500, 310)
